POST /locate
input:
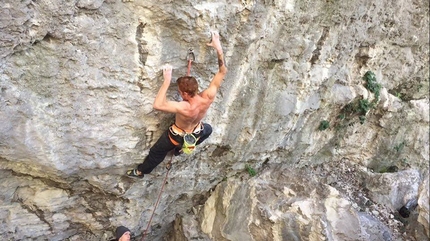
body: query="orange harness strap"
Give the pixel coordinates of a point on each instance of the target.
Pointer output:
(173, 141)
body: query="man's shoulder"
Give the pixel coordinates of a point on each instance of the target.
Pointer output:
(204, 95)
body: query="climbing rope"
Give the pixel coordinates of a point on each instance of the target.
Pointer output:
(190, 59)
(168, 167)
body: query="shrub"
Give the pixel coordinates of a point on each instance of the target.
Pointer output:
(371, 84)
(250, 170)
(364, 106)
(400, 146)
(324, 125)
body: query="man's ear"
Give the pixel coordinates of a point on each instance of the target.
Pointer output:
(185, 95)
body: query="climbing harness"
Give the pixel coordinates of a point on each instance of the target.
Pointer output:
(190, 139)
(168, 167)
(190, 59)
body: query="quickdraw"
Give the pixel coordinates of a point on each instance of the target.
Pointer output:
(190, 58)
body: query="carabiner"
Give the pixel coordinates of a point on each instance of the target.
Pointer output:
(190, 55)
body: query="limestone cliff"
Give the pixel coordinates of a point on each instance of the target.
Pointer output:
(321, 128)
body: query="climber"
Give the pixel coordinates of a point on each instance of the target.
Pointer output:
(188, 129)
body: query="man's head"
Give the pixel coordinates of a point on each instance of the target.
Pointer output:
(122, 233)
(187, 85)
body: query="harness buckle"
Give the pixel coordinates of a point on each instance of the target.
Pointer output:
(172, 131)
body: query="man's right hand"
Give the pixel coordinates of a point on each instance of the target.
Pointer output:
(215, 42)
(167, 72)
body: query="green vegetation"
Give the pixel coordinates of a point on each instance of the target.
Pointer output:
(389, 169)
(399, 95)
(364, 106)
(251, 171)
(371, 84)
(359, 107)
(324, 125)
(405, 162)
(400, 146)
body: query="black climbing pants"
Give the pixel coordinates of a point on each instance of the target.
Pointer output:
(163, 146)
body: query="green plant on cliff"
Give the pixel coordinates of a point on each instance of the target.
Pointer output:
(251, 171)
(399, 147)
(359, 107)
(324, 125)
(399, 95)
(371, 84)
(341, 116)
(389, 169)
(364, 106)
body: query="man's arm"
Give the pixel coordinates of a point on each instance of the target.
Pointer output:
(211, 91)
(161, 102)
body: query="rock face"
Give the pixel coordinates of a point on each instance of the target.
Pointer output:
(321, 128)
(286, 205)
(305, 204)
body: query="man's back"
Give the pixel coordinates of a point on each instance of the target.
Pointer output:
(193, 112)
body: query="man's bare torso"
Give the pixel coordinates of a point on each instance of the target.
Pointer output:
(193, 112)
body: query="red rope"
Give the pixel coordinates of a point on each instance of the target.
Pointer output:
(189, 67)
(190, 58)
(158, 199)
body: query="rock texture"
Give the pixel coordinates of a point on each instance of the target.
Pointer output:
(332, 157)
(306, 204)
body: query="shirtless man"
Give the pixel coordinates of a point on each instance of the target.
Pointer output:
(189, 114)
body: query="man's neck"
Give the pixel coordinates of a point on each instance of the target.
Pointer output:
(190, 99)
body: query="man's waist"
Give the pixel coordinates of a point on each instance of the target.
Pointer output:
(176, 130)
